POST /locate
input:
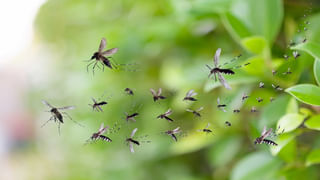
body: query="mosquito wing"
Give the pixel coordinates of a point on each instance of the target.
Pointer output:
(103, 129)
(176, 130)
(218, 101)
(159, 91)
(200, 109)
(66, 108)
(103, 44)
(131, 147)
(94, 101)
(168, 112)
(109, 52)
(189, 93)
(133, 132)
(46, 103)
(216, 57)
(153, 92)
(223, 81)
(207, 126)
(189, 110)
(266, 134)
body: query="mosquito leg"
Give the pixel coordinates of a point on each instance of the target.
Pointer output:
(215, 77)
(59, 128)
(94, 66)
(47, 122)
(72, 119)
(102, 67)
(89, 65)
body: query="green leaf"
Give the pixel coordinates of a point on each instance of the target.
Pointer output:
(313, 157)
(254, 44)
(316, 70)
(313, 123)
(290, 122)
(282, 141)
(292, 106)
(312, 48)
(259, 165)
(306, 93)
(255, 18)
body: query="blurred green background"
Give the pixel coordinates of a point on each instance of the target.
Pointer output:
(171, 41)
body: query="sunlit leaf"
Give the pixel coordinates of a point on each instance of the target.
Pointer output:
(290, 122)
(316, 70)
(313, 123)
(292, 106)
(310, 47)
(306, 93)
(282, 141)
(254, 44)
(313, 157)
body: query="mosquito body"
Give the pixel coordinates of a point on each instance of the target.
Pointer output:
(262, 139)
(259, 99)
(295, 54)
(287, 72)
(253, 109)
(195, 112)
(274, 72)
(97, 105)
(236, 111)
(131, 117)
(189, 95)
(277, 87)
(98, 135)
(131, 141)
(129, 91)
(228, 123)
(244, 97)
(261, 85)
(206, 129)
(157, 96)
(102, 57)
(221, 106)
(57, 114)
(173, 132)
(165, 116)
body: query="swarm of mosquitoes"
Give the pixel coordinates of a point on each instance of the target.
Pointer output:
(104, 58)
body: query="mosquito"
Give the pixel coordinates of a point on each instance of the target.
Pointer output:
(261, 85)
(295, 54)
(274, 72)
(287, 72)
(131, 117)
(101, 56)
(259, 99)
(253, 109)
(206, 129)
(221, 106)
(129, 91)
(173, 132)
(165, 115)
(219, 71)
(195, 112)
(262, 139)
(157, 96)
(228, 123)
(97, 105)
(98, 135)
(57, 114)
(189, 95)
(131, 141)
(277, 87)
(272, 99)
(286, 57)
(236, 111)
(244, 97)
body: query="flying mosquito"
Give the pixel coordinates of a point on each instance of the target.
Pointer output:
(189, 95)
(98, 135)
(206, 129)
(131, 117)
(195, 112)
(57, 114)
(262, 139)
(228, 123)
(287, 72)
(259, 99)
(244, 97)
(274, 72)
(100, 56)
(221, 106)
(253, 109)
(277, 87)
(295, 54)
(131, 141)
(286, 57)
(97, 105)
(165, 115)
(219, 71)
(261, 85)
(236, 111)
(173, 132)
(129, 91)
(271, 99)
(157, 96)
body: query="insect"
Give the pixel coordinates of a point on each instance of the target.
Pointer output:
(196, 112)
(259, 99)
(287, 72)
(274, 72)
(157, 96)
(286, 57)
(262, 139)
(57, 114)
(236, 111)
(244, 97)
(271, 99)
(129, 91)
(304, 40)
(189, 95)
(131, 141)
(100, 56)
(221, 106)
(228, 123)
(206, 129)
(165, 115)
(295, 54)
(253, 109)
(277, 87)
(97, 105)
(173, 132)
(98, 135)
(131, 116)
(218, 71)
(261, 85)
